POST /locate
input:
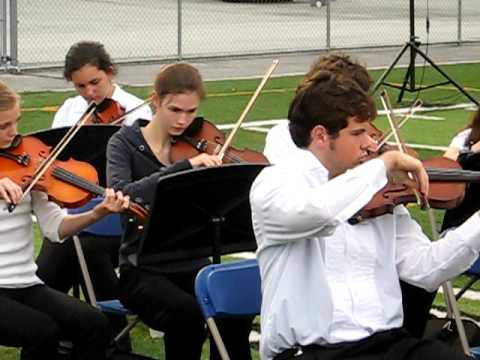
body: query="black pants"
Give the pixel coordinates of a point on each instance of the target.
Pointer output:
(36, 317)
(396, 344)
(166, 302)
(416, 308)
(58, 267)
(58, 264)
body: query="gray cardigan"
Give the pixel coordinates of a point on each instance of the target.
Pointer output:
(133, 168)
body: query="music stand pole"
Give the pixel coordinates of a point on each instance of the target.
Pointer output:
(409, 79)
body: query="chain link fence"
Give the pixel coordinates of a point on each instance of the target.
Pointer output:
(37, 33)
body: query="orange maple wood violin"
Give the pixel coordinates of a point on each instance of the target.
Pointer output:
(202, 136)
(69, 183)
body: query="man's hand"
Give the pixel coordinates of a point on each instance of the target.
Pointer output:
(9, 191)
(406, 170)
(113, 202)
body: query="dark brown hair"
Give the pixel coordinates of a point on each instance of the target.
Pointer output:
(327, 99)
(177, 79)
(340, 64)
(475, 126)
(87, 53)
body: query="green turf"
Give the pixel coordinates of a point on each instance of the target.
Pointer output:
(225, 102)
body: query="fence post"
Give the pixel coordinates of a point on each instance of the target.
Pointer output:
(459, 23)
(13, 35)
(3, 29)
(328, 44)
(179, 30)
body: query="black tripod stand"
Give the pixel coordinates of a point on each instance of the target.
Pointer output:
(409, 79)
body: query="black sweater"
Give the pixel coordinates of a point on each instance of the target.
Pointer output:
(133, 168)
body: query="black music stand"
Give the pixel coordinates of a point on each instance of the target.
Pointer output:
(409, 79)
(89, 145)
(201, 213)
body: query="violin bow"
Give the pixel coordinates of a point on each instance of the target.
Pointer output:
(40, 171)
(254, 97)
(415, 106)
(126, 113)
(396, 133)
(450, 300)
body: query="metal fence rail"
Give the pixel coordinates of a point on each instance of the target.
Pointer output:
(138, 30)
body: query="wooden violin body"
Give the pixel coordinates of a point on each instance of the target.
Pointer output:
(446, 191)
(204, 137)
(69, 183)
(108, 111)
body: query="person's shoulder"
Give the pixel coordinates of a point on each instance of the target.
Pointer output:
(122, 95)
(130, 133)
(463, 134)
(279, 129)
(74, 102)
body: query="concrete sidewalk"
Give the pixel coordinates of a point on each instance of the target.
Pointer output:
(245, 67)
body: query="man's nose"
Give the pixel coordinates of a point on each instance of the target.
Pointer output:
(370, 143)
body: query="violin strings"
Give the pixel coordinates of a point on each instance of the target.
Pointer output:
(78, 181)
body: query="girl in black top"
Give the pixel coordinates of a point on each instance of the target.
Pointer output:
(163, 294)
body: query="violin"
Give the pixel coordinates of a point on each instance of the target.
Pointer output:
(447, 190)
(202, 136)
(69, 183)
(108, 111)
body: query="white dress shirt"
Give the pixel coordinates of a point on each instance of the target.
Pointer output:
(459, 140)
(279, 144)
(17, 266)
(325, 281)
(74, 107)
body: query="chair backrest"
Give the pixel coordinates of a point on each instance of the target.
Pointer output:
(108, 226)
(229, 289)
(475, 268)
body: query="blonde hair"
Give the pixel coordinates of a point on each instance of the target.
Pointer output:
(8, 97)
(178, 78)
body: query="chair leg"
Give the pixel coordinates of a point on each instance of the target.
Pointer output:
(84, 268)
(126, 330)
(218, 339)
(472, 281)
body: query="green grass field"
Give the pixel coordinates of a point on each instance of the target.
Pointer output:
(225, 102)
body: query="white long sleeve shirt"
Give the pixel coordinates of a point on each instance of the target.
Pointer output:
(73, 108)
(325, 281)
(279, 145)
(17, 265)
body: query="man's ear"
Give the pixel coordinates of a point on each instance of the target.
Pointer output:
(319, 136)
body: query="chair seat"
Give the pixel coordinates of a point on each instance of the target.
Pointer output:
(113, 306)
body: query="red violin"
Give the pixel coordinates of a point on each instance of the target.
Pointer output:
(447, 189)
(108, 111)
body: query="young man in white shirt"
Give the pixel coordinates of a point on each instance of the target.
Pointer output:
(33, 315)
(279, 146)
(331, 289)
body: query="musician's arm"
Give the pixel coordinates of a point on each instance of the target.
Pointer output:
(119, 171)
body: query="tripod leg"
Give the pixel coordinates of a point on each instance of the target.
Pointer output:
(445, 75)
(409, 75)
(390, 68)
